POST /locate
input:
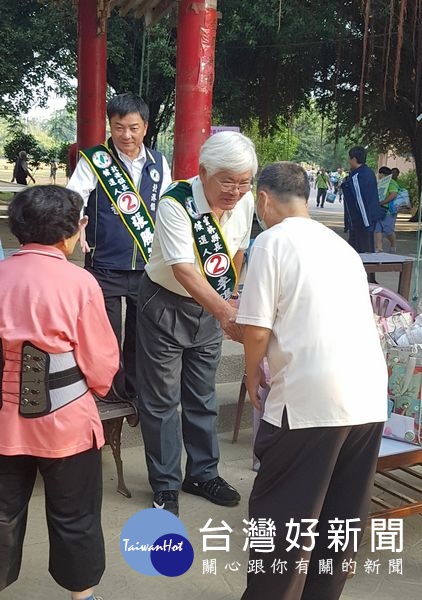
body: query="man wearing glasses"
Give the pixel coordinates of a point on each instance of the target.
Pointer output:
(202, 230)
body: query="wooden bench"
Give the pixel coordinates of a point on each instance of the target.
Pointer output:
(398, 480)
(112, 415)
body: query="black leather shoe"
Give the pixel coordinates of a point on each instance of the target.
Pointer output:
(215, 490)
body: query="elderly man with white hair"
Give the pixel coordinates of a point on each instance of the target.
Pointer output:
(202, 230)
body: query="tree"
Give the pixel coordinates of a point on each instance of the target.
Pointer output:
(387, 77)
(34, 62)
(61, 126)
(360, 61)
(143, 61)
(26, 142)
(266, 67)
(280, 144)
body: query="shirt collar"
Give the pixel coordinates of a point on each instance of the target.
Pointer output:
(125, 158)
(200, 199)
(41, 249)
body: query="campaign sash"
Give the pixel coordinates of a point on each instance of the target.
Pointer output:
(210, 246)
(123, 195)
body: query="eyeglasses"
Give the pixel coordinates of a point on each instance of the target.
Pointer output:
(233, 187)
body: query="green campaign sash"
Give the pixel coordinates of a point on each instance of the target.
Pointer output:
(210, 247)
(123, 195)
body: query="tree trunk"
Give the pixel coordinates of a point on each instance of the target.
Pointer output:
(416, 145)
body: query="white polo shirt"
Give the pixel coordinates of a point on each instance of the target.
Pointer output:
(308, 286)
(173, 239)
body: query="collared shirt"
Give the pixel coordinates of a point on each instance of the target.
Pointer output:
(308, 286)
(173, 238)
(58, 307)
(84, 180)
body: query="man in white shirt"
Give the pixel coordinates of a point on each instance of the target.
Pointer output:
(202, 230)
(306, 307)
(120, 183)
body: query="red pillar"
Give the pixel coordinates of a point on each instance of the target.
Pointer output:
(196, 33)
(92, 64)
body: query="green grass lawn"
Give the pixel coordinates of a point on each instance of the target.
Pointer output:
(41, 175)
(5, 197)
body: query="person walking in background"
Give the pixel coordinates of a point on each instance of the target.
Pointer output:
(53, 171)
(322, 184)
(339, 190)
(386, 225)
(21, 170)
(121, 183)
(361, 206)
(319, 437)
(57, 348)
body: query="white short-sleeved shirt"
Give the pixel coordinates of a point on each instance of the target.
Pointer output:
(308, 286)
(173, 239)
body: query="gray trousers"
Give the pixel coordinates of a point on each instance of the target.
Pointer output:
(178, 351)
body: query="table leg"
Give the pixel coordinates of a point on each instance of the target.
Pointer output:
(405, 279)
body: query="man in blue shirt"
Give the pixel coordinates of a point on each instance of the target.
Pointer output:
(361, 206)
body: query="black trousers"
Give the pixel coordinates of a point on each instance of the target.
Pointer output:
(73, 496)
(179, 348)
(320, 473)
(361, 239)
(115, 286)
(321, 194)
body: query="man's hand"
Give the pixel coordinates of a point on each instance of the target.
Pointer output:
(201, 291)
(228, 323)
(82, 235)
(256, 342)
(253, 381)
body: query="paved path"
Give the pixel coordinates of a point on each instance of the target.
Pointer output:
(120, 582)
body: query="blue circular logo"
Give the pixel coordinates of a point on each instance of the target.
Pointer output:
(154, 542)
(173, 555)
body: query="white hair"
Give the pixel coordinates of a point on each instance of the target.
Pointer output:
(228, 151)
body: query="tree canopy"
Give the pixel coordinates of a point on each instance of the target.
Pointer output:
(37, 51)
(358, 61)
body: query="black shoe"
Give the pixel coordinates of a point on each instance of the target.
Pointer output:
(167, 500)
(215, 490)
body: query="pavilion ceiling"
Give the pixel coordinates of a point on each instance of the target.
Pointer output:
(150, 10)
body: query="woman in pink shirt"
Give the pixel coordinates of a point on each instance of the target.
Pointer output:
(56, 348)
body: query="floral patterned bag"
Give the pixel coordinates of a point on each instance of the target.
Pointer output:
(404, 392)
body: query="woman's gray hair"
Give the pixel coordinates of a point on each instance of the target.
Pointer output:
(228, 151)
